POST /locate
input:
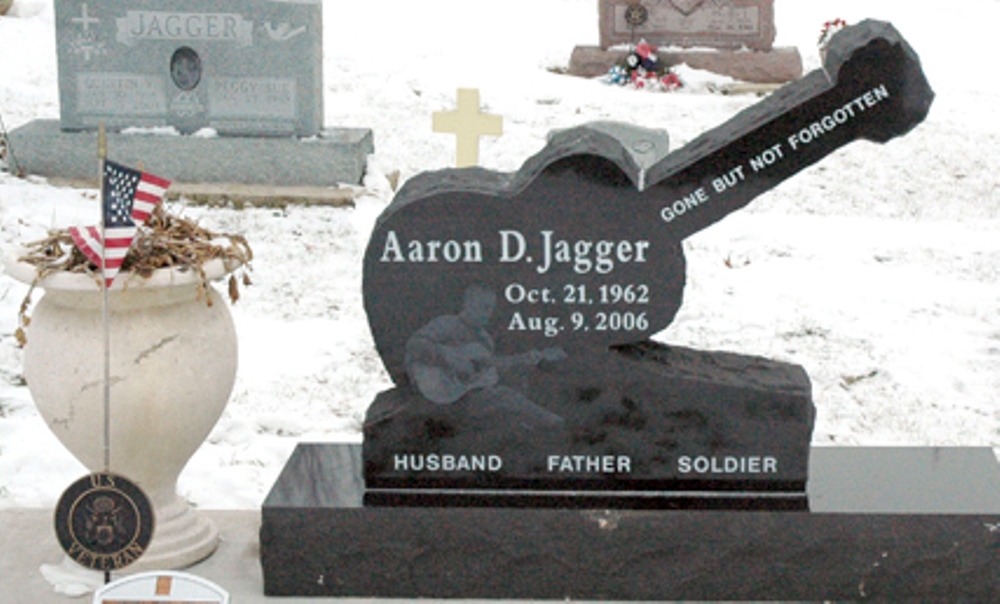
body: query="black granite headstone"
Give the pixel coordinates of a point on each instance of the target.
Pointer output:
(514, 311)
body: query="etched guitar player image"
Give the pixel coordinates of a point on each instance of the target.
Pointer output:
(452, 363)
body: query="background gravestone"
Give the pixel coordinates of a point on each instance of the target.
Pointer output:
(243, 67)
(733, 24)
(244, 75)
(729, 37)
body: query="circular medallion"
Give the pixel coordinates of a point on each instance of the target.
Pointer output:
(636, 14)
(104, 522)
(185, 68)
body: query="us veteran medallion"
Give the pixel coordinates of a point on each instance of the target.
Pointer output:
(104, 522)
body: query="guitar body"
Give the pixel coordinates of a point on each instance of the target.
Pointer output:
(558, 243)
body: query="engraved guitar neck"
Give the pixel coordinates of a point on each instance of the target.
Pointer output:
(876, 92)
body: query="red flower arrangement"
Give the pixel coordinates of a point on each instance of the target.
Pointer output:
(642, 70)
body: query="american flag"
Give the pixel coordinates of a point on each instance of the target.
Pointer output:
(128, 197)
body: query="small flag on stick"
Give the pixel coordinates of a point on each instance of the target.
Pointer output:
(128, 198)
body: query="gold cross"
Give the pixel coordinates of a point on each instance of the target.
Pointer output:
(467, 124)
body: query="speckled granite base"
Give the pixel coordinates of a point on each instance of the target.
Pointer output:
(887, 524)
(337, 155)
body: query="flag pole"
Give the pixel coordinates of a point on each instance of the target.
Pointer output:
(102, 155)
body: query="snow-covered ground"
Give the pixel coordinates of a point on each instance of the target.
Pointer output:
(877, 269)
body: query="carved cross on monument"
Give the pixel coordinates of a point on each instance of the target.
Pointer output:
(468, 125)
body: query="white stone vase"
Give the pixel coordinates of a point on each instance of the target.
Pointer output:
(173, 362)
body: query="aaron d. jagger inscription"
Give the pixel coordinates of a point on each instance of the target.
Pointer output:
(584, 255)
(581, 253)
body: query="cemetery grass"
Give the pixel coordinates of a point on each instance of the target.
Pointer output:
(876, 270)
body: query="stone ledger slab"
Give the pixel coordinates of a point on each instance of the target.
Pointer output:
(335, 156)
(887, 524)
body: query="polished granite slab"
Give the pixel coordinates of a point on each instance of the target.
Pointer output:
(884, 523)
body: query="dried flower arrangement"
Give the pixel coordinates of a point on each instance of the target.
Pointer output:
(165, 241)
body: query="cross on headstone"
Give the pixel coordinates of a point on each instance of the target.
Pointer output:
(86, 42)
(468, 125)
(85, 19)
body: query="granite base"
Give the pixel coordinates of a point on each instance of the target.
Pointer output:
(642, 425)
(885, 524)
(336, 156)
(777, 66)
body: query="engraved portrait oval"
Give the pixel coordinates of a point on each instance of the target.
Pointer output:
(185, 68)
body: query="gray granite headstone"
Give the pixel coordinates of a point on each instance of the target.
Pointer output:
(240, 67)
(249, 70)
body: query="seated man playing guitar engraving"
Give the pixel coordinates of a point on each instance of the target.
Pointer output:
(454, 355)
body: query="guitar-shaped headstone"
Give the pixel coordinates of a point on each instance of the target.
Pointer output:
(581, 249)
